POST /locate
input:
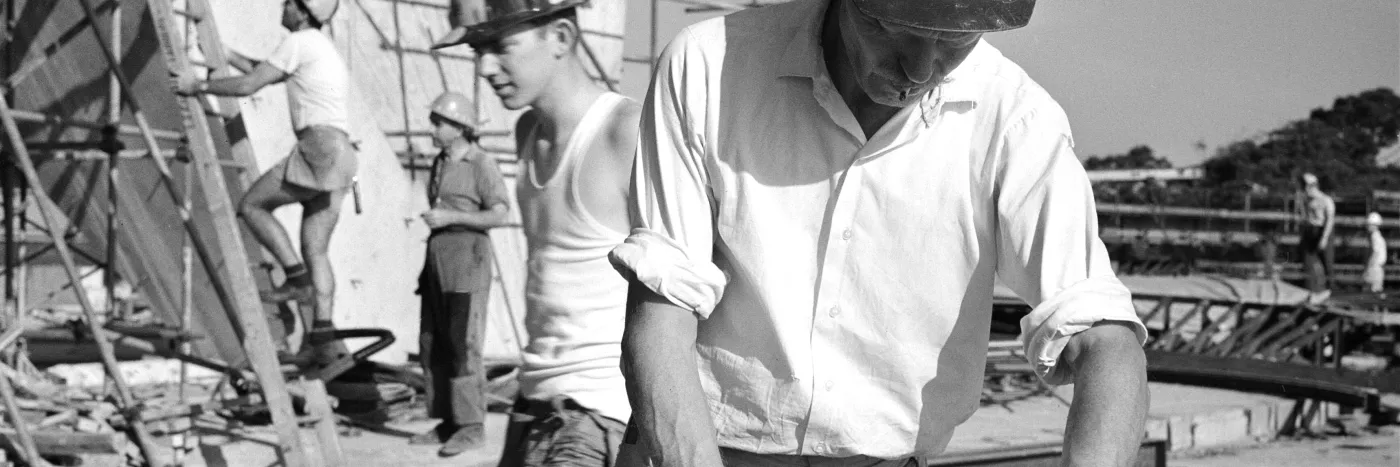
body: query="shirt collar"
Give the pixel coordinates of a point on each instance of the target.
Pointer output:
(803, 57)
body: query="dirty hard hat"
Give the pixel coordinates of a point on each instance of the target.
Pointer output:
(950, 15)
(321, 10)
(476, 21)
(456, 108)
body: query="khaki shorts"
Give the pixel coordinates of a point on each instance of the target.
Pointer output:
(322, 160)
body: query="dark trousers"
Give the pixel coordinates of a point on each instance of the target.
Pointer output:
(450, 343)
(559, 433)
(1317, 262)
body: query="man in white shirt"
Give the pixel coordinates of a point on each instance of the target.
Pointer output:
(825, 191)
(321, 167)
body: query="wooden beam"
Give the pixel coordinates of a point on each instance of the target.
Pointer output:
(52, 443)
(1131, 175)
(126, 130)
(1230, 214)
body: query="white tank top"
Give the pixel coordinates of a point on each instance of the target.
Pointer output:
(575, 300)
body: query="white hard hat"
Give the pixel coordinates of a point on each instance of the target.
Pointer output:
(321, 10)
(1373, 219)
(457, 108)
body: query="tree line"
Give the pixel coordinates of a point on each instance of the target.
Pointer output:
(1339, 144)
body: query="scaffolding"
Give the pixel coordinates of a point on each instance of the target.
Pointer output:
(49, 146)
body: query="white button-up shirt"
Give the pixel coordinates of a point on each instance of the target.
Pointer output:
(855, 316)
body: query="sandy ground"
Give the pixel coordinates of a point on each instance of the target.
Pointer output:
(1029, 421)
(1371, 450)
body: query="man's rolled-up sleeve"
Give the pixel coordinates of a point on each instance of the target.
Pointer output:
(1050, 253)
(672, 208)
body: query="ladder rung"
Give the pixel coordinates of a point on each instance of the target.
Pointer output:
(201, 63)
(208, 112)
(195, 15)
(232, 164)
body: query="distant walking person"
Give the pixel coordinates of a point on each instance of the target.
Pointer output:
(1375, 265)
(321, 167)
(467, 197)
(1317, 213)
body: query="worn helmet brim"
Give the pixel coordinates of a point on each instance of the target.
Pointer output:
(501, 26)
(955, 16)
(454, 37)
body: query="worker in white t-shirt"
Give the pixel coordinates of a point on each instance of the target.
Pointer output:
(1374, 274)
(320, 168)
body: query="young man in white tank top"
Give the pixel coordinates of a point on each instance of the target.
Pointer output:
(577, 142)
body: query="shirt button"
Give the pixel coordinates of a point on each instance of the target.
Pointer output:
(830, 384)
(846, 235)
(834, 311)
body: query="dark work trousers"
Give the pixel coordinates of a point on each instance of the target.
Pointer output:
(1317, 262)
(450, 343)
(559, 433)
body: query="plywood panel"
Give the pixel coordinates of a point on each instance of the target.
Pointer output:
(70, 81)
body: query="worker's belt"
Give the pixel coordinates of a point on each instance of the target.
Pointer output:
(531, 409)
(457, 229)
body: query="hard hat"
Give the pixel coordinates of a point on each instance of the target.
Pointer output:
(456, 108)
(1373, 219)
(321, 10)
(476, 21)
(951, 15)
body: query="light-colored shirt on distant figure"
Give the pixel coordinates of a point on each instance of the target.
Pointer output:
(1375, 264)
(860, 272)
(319, 83)
(1314, 209)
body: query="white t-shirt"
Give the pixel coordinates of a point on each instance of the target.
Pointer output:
(319, 84)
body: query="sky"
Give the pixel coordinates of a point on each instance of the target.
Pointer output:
(1167, 74)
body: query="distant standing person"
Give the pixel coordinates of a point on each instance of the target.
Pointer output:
(466, 197)
(1317, 213)
(1375, 265)
(319, 170)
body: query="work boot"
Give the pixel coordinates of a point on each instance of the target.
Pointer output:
(297, 287)
(466, 438)
(438, 435)
(287, 293)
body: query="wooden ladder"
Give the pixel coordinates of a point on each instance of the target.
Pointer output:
(235, 282)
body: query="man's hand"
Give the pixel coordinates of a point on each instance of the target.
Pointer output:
(438, 218)
(187, 85)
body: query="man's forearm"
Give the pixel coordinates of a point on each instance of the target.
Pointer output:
(669, 409)
(241, 63)
(481, 220)
(237, 86)
(1107, 417)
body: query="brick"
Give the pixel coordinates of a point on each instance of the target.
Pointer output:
(1158, 428)
(1179, 432)
(1220, 428)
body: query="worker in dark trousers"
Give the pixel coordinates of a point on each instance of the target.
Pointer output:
(467, 197)
(1317, 215)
